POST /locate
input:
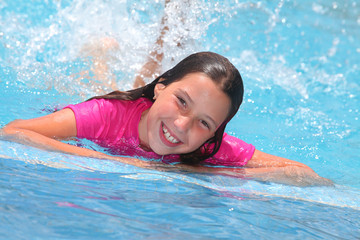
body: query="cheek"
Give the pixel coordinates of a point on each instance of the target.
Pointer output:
(167, 110)
(151, 122)
(199, 136)
(155, 116)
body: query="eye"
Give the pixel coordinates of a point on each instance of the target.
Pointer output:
(205, 124)
(182, 102)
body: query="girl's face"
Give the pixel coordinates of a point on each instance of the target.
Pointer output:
(184, 115)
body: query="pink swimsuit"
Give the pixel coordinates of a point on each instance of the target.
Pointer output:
(114, 124)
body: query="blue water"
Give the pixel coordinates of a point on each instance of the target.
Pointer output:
(300, 64)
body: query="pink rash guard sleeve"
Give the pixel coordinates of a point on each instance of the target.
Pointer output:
(233, 152)
(108, 121)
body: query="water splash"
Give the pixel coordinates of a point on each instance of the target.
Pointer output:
(53, 51)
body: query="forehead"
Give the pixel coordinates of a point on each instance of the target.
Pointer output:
(207, 97)
(200, 82)
(195, 79)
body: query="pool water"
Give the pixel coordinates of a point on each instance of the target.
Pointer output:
(300, 65)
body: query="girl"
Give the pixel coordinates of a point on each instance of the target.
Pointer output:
(179, 117)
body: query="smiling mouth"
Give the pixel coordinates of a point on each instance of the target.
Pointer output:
(168, 135)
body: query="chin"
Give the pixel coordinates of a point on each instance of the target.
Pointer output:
(161, 151)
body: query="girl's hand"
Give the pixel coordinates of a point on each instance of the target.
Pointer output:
(266, 167)
(290, 175)
(302, 177)
(295, 175)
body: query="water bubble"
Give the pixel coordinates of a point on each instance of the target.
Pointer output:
(318, 8)
(334, 5)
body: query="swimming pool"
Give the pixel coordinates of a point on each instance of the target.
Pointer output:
(300, 64)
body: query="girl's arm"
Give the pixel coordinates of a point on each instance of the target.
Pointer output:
(266, 167)
(265, 160)
(45, 132)
(291, 174)
(152, 68)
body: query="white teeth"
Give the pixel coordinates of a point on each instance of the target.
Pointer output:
(168, 136)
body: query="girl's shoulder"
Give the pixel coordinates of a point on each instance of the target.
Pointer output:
(116, 104)
(99, 118)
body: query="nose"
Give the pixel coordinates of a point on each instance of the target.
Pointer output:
(183, 123)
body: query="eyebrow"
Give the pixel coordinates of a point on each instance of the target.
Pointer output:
(187, 96)
(192, 102)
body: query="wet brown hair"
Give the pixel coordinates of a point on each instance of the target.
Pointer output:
(217, 68)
